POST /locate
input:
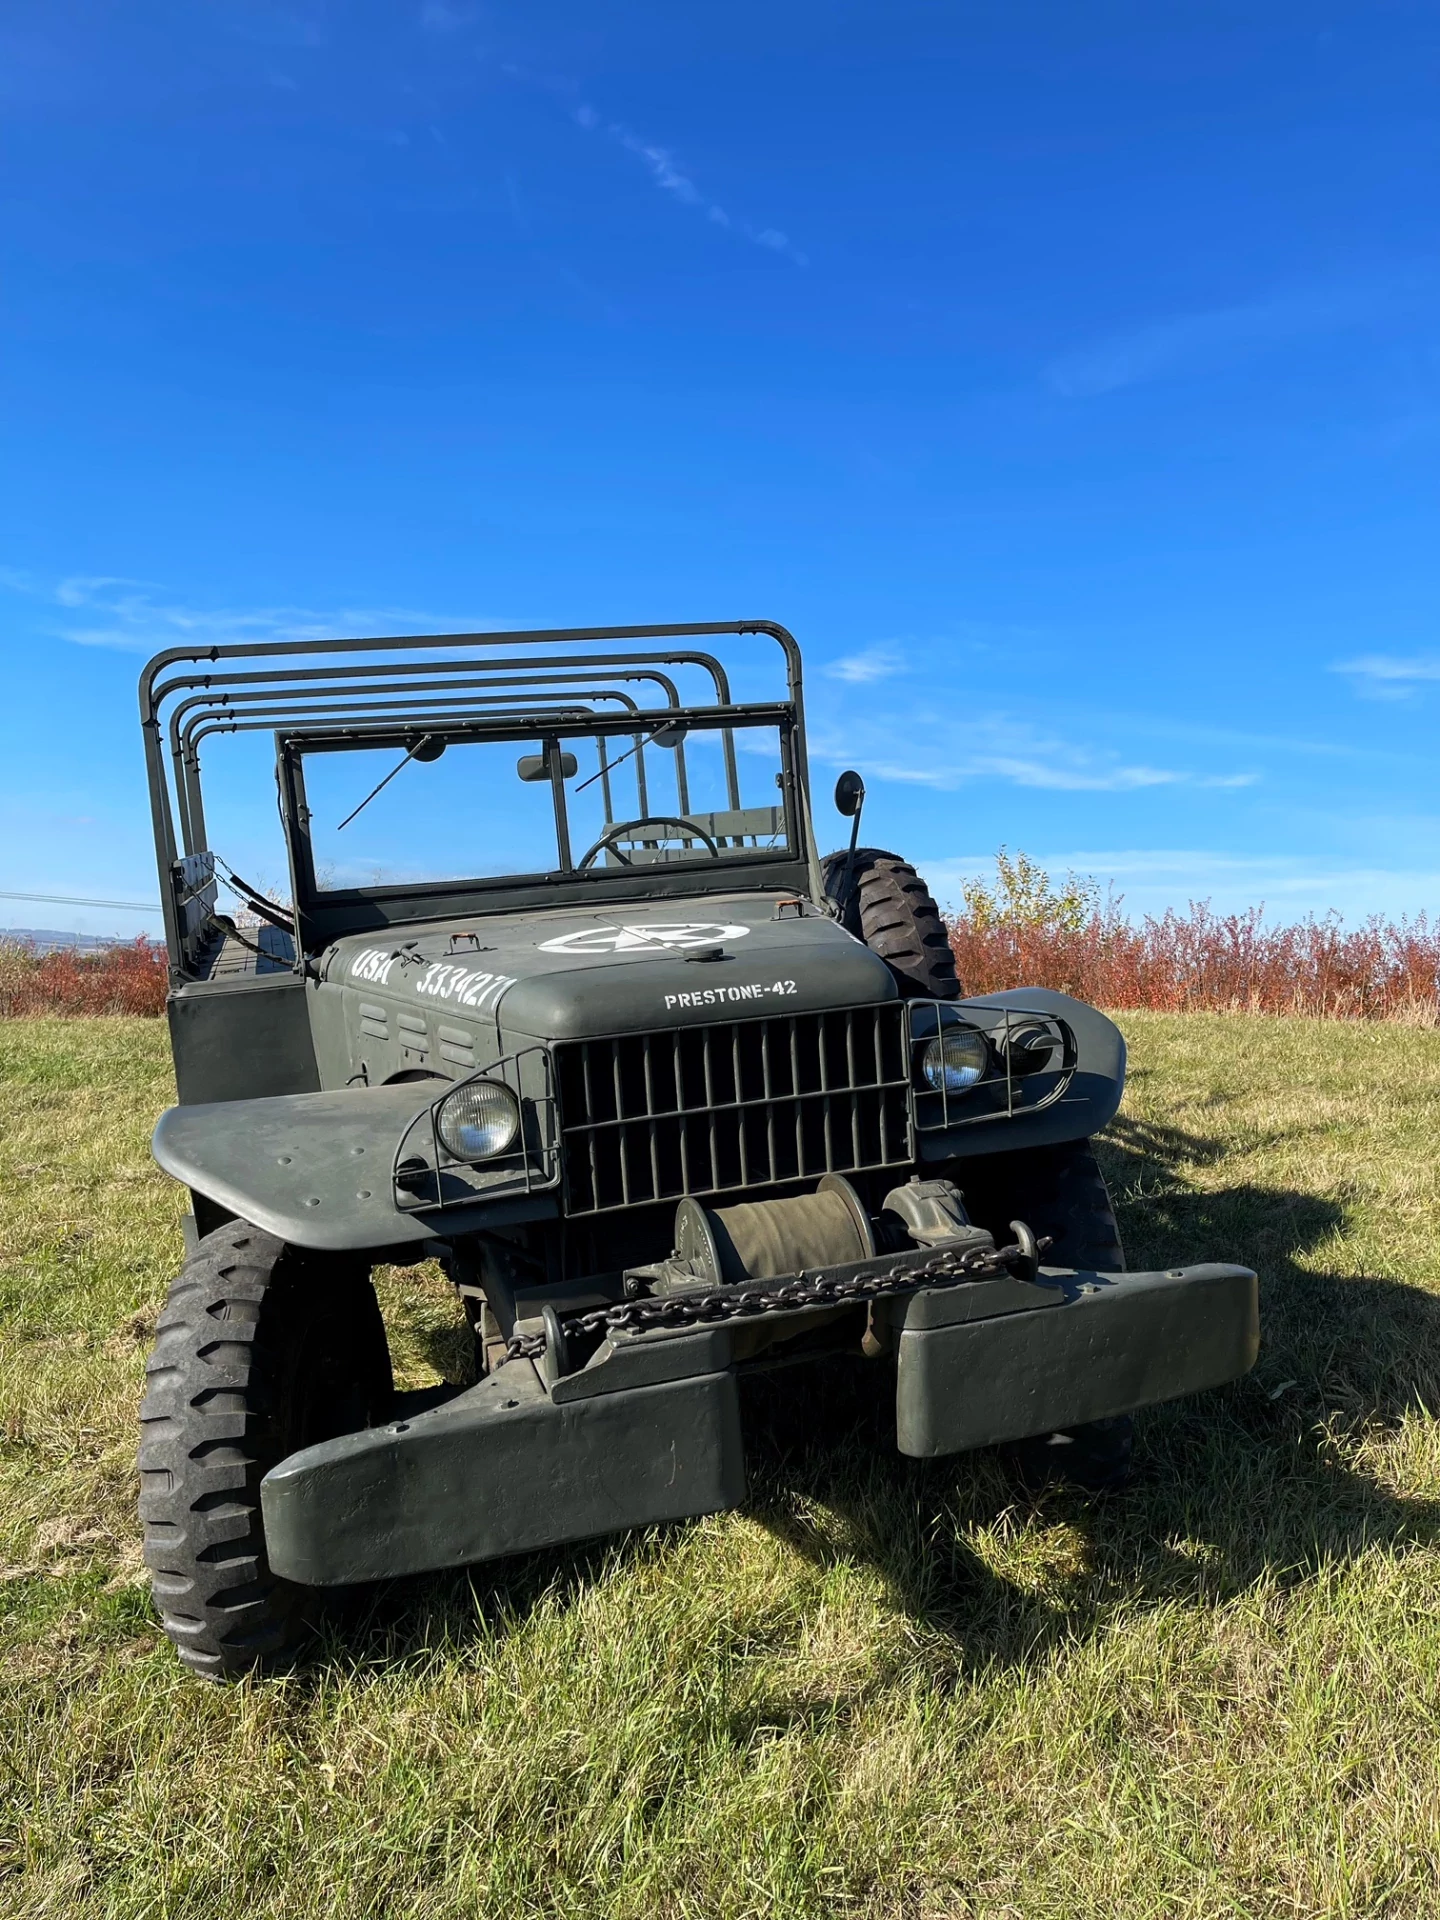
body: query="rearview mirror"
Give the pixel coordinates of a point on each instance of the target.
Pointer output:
(535, 766)
(849, 794)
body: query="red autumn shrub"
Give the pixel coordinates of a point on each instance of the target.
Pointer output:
(1026, 932)
(1022, 931)
(120, 979)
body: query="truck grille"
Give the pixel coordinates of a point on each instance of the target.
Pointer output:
(653, 1116)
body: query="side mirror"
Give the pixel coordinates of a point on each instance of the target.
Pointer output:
(849, 794)
(535, 766)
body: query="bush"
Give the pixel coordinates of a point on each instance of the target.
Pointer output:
(1024, 930)
(120, 979)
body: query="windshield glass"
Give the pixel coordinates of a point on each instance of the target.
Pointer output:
(456, 806)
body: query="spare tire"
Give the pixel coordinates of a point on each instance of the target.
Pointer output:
(888, 906)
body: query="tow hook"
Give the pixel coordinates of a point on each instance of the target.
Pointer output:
(1024, 1262)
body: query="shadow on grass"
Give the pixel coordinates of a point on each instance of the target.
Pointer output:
(1242, 1485)
(1234, 1487)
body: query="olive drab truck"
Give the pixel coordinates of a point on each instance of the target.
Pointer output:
(566, 996)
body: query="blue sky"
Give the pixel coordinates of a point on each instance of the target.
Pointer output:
(1067, 378)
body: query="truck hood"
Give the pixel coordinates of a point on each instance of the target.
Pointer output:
(634, 968)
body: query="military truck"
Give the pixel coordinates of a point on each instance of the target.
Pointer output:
(583, 1014)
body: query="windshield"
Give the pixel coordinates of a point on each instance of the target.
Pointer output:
(453, 804)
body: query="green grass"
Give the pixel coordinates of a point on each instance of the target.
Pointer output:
(886, 1688)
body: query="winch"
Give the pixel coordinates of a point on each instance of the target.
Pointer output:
(820, 1250)
(765, 1239)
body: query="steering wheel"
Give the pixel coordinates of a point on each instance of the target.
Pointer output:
(606, 842)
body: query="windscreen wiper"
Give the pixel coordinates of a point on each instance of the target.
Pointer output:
(668, 735)
(427, 747)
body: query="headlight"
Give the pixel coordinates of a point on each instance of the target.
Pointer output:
(954, 1060)
(478, 1121)
(1028, 1047)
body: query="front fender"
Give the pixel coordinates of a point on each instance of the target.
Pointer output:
(315, 1168)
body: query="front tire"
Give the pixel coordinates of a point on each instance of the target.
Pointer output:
(261, 1349)
(1060, 1192)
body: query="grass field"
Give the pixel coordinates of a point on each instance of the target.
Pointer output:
(886, 1689)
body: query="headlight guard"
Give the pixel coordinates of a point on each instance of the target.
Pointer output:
(978, 1060)
(492, 1134)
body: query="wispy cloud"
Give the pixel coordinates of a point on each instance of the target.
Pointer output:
(132, 616)
(274, 26)
(910, 748)
(1214, 338)
(1164, 726)
(1388, 676)
(860, 669)
(659, 162)
(442, 16)
(1055, 775)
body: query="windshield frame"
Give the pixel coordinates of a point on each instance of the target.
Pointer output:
(327, 913)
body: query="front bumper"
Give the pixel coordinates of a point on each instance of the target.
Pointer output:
(1066, 1348)
(649, 1430)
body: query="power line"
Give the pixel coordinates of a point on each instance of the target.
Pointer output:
(70, 900)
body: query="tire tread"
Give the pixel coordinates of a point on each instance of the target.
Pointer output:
(208, 1433)
(890, 908)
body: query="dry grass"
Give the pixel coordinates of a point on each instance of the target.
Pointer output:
(887, 1689)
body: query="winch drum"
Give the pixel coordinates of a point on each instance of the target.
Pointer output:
(761, 1240)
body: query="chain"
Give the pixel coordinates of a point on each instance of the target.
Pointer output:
(805, 1290)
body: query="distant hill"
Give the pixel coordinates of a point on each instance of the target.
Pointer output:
(48, 939)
